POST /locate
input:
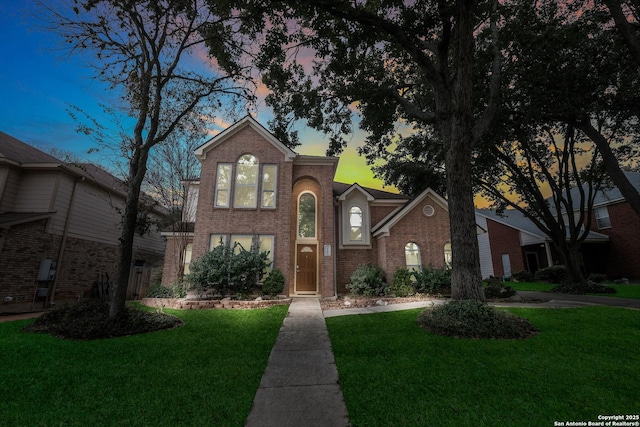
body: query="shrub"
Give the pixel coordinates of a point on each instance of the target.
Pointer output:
(273, 284)
(523, 276)
(367, 280)
(583, 288)
(402, 284)
(473, 319)
(431, 279)
(177, 290)
(553, 274)
(598, 278)
(498, 290)
(229, 269)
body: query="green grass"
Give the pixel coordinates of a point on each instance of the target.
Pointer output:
(622, 291)
(583, 363)
(205, 373)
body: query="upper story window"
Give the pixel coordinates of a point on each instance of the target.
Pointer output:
(355, 224)
(269, 178)
(223, 185)
(412, 256)
(602, 217)
(307, 216)
(246, 188)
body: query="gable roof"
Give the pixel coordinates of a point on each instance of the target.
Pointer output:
(247, 121)
(383, 228)
(17, 152)
(341, 190)
(516, 220)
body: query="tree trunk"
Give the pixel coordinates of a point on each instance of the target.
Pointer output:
(466, 280)
(137, 169)
(611, 165)
(571, 260)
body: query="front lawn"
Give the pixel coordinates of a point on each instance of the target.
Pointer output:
(582, 364)
(203, 373)
(622, 291)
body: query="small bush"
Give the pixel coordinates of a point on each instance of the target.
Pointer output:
(598, 278)
(274, 283)
(523, 276)
(402, 284)
(429, 279)
(90, 320)
(496, 289)
(367, 280)
(553, 274)
(582, 288)
(177, 290)
(473, 319)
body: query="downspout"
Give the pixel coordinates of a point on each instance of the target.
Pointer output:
(547, 249)
(63, 242)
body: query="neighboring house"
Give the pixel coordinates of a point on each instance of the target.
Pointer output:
(317, 231)
(59, 230)
(512, 243)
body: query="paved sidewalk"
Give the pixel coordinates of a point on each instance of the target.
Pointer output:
(300, 386)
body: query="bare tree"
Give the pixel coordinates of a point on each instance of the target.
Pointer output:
(140, 48)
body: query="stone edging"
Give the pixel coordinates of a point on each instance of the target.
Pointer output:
(186, 304)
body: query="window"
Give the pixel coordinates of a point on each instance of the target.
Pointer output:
(244, 242)
(246, 182)
(307, 216)
(412, 256)
(355, 224)
(187, 257)
(269, 176)
(216, 240)
(602, 217)
(223, 185)
(265, 243)
(447, 255)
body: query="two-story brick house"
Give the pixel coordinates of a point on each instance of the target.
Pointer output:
(316, 230)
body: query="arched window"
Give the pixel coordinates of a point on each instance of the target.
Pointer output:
(355, 224)
(307, 216)
(412, 256)
(246, 182)
(447, 254)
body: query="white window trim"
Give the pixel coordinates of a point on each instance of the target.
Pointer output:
(349, 227)
(413, 267)
(315, 219)
(218, 188)
(253, 186)
(602, 218)
(275, 186)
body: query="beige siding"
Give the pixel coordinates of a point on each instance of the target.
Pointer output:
(94, 215)
(10, 192)
(35, 192)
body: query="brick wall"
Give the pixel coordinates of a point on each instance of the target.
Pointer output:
(504, 240)
(24, 247)
(429, 233)
(232, 220)
(623, 253)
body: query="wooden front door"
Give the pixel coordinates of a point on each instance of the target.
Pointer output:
(306, 268)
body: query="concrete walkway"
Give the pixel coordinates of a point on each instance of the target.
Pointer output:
(300, 386)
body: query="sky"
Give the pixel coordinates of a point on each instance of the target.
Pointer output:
(40, 82)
